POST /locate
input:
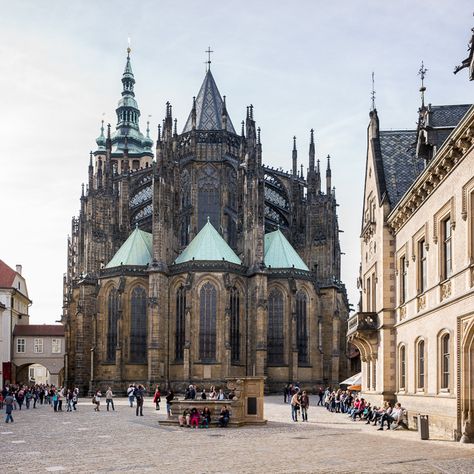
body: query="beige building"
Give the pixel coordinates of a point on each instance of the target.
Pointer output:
(415, 323)
(38, 347)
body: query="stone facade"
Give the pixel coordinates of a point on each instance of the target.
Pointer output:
(415, 324)
(206, 172)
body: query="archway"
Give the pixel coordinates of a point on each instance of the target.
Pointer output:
(466, 394)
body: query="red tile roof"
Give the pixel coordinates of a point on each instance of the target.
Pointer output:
(38, 330)
(7, 275)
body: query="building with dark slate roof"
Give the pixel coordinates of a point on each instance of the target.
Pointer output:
(414, 327)
(196, 262)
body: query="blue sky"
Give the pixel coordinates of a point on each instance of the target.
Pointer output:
(303, 65)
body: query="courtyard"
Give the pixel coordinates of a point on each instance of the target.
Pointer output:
(85, 441)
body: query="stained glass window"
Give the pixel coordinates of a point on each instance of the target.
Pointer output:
(112, 318)
(138, 326)
(207, 322)
(208, 197)
(275, 338)
(235, 324)
(302, 327)
(180, 323)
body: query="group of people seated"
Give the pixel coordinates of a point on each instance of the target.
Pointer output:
(192, 393)
(385, 414)
(193, 418)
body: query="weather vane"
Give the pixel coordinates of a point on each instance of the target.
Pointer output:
(372, 94)
(208, 62)
(422, 73)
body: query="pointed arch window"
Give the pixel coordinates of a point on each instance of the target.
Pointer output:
(207, 322)
(138, 326)
(235, 324)
(275, 337)
(180, 323)
(302, 327)
(112, 318)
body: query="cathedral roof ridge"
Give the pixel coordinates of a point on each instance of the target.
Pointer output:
(209, 108)
(208, 245)
(136, 250)
(279, 253)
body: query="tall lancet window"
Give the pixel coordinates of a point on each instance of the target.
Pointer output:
(208, 197)
(235, 325)
(180, 323)
(138, 326)
(207, 322)
(112, 318)
(302, 327)
(275, 337)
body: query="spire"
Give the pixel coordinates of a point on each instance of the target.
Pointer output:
(91, 171)
(101, 138)
(318, 178)
(295, 157)
(312, 151)
(209, 107)
(108, 142)
(422, 73)
(328, 177)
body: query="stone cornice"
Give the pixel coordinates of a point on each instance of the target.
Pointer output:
(453, 151)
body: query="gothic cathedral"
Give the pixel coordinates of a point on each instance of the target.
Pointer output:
(194, 261)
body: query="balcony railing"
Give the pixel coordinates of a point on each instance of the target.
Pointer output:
(367, 322)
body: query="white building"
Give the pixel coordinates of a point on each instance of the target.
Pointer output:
(14, 305)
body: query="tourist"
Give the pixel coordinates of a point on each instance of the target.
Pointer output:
(396, 416)
(96, 400)
(224, 417)
(139, 393)
(183, 419)
(286, 393)
(28, 397)
(60, 399)
(321, 396)
(109, 399)
(130, 395)
(195, 418)
(169, 401)
(75, 396)
(203, 394)
(20, 396)
(304, 403)
(157, 397)
(221, 395)
(69, 397)
(295, 406)
(212, 393)
(358, 409)
(206, 418)
(1, 401)
(9, 403)
(55, 401)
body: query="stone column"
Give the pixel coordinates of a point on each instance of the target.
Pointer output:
(260, 312)
(187, 345)
(227, 347)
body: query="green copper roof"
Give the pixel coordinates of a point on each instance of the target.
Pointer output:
(136, 250)
(280, 254)
(208, 245)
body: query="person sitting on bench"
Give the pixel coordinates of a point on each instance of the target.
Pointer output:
(224, 417)
(395, 416)
(205, 418)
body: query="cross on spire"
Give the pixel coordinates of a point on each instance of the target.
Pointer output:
(208, 62)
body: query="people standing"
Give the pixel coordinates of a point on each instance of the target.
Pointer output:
(304, 402)
(139, 393)
(321, 396)
(169, 401)
(109, 399)
(295, 406)
(157, 398)
(96, 400)
(9, 402)
(130, 394)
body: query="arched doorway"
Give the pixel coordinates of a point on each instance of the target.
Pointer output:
(466, 394)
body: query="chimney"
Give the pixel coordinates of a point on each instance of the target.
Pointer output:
(18, 269)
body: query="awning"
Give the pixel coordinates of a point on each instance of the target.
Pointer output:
(353, 380)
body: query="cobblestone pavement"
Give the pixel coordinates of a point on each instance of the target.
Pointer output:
(84, 441)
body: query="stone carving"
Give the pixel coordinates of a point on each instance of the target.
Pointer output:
(421, 302)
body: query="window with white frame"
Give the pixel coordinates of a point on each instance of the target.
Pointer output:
(56, 346)
(420, 365)
(403, 368)
(403, 280)
(445, 361)
(38, 346)
(20, 345)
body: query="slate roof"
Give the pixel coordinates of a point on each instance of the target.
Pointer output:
(38, 330)
(208, 245)
(136, 250)
(279, 253)
(398, 166)
(7, 275)
(209, 105)
(447, 115)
